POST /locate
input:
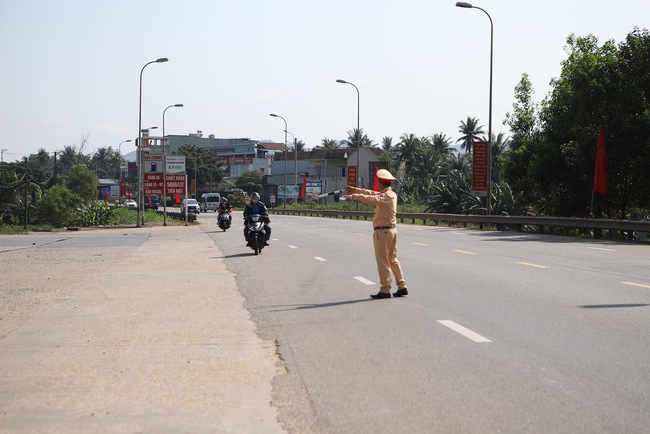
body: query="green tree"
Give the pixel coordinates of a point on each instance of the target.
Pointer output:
(356, 138)
(57, 206)
(407, 148)
(250, 181)
(330, 143)
(470, 131)
(441, 143)
(82, 182)
(203, 166)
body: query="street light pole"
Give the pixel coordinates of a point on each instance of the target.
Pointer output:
(165, 165)
(295, 159)
(358, 130)
(489, 165)
(119, 157)
(140, 181)
(284, 198)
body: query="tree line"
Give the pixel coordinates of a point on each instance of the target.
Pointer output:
(544, 167)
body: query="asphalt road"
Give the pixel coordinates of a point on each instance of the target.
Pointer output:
(501, 332)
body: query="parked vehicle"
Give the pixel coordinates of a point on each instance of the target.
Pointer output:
(151, 202)
(210, 201)
(192, 206)
(131, 204)
(256, 231)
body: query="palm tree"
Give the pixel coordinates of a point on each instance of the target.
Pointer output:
(330, 143)
(407, 148)
(426, 168)
(387, 144)
(441, 143)
(300, 145)
(356, 138)
(500, 146)
(68, 158)
(458, 162)
(470, 130)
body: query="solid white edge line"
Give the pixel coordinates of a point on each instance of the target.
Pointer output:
(464, 331)
(364, 280)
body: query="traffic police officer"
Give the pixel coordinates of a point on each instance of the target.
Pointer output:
(385, 234)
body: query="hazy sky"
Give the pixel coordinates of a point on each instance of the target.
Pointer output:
(70, 68)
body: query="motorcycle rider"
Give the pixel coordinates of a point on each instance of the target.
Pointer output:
(224, 206)
(255, 206)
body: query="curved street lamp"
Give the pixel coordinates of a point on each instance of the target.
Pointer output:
(165, 166)
(358, 130)
(284, 198)
(119, 156)
(489, 165)
(140, 180)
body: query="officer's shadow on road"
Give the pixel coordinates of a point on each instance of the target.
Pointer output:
(290, 307)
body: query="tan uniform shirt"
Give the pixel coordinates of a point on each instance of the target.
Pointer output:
(385, 203)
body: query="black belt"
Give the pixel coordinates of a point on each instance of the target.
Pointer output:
(378, 228)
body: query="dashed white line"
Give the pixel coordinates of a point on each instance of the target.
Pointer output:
(464, 331)
(292, 247)
(318, 258)
(420, 244)
(465, 252)
(601, 248)
(640, 285)
(528, 264)
(364, 280)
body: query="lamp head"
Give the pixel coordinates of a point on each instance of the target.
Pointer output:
(274, 115)
(162, 59)
(341, 81)
(463, 5)
(178, 105)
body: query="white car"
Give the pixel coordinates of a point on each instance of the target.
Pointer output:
(192, 206)
(131, 204)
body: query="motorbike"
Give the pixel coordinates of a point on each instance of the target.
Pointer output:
(256, 231)
(223, 220)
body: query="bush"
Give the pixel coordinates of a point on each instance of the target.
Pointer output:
(58, 206)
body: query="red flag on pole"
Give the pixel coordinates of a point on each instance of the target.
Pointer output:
(303, 189)
(178, 198)
(105, 195)
(600, 173)
(375, 182)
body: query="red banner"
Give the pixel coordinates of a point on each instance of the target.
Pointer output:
(153, 184)
(480, 168)
(352, 176)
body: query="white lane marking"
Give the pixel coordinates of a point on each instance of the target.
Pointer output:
(528, 264)
(464, 331)
(420, 244)
(363, 235)
(640, 285)
(601, 248)
(465, 252)
(274, 239)
(293, 247)
(318, 258)
(364, 280)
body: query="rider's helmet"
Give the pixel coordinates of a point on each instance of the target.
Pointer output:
(224, 201)
(255, 197)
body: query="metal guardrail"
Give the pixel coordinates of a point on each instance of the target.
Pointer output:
(500, 221)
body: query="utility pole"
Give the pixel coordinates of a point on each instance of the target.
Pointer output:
(2, 154)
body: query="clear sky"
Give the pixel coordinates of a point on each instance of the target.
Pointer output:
(71, 67)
